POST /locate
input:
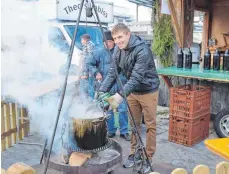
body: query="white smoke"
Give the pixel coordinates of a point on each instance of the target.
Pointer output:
(28, 60)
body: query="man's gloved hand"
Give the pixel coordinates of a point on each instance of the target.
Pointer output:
(97, 95)
(100, 99)
(114, 100)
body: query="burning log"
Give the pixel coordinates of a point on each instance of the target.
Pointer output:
(78, 159)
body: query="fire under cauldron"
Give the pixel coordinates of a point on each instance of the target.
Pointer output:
(102, 163)
(90, 133)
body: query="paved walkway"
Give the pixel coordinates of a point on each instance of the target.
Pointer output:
(167, 157)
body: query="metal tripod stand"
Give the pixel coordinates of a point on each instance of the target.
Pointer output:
(140, 144)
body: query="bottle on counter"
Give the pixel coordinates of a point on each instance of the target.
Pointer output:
(207, 60)
(180, 58)
(226, 60)
(216, 60)
(188, 59)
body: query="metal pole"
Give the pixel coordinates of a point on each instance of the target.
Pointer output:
(137, 134)
(64, 85)
(136, 12)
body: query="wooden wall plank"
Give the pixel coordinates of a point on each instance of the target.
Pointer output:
(8, 124)
(14, 121)
(22, 121)
(26, 117)
(3, 141)
(18, 115)
(220, 22)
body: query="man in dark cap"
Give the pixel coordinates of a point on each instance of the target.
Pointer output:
(99, 65)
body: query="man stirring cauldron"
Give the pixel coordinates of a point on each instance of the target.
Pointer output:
(133, 58)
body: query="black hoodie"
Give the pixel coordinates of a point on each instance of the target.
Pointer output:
(137, 64)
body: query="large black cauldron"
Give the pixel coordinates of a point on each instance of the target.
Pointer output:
(90, 133)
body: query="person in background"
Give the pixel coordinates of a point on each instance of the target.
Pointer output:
(99, 65)
(86, 79)
(133, 58)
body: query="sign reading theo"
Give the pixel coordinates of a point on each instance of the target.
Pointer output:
(69, 10)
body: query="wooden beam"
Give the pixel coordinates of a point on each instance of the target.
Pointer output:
(167, 81)
(8, 133)
(175, 21)
(205, 36)
(14, 130)
(182, 22)
(8, 124)
(14, 121)
(188, 18)
(201, 9)
(3, 142)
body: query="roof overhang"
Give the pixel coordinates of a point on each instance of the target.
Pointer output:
(146, 3)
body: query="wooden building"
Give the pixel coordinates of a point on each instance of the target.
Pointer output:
(215, 35)
(215, 24)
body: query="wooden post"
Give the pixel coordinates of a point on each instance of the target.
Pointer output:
(22, 121)
(18, 115)
(222, 168)
(179, 171)
(14, 124)
(201, 169)
(8, 125)
(167, 81)
(26, 128)
(176, 23)
(20, 168)
(205, 36)
(3, 126)
(187, 23)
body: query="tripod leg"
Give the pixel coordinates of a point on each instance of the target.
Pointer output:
(64, 86)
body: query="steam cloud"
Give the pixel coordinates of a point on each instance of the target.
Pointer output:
(28, 60)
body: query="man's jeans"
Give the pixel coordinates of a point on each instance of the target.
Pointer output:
(123, 120)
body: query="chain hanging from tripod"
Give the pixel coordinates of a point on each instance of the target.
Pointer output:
(66, 119)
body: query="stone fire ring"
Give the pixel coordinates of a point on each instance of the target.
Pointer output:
(107, 167)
